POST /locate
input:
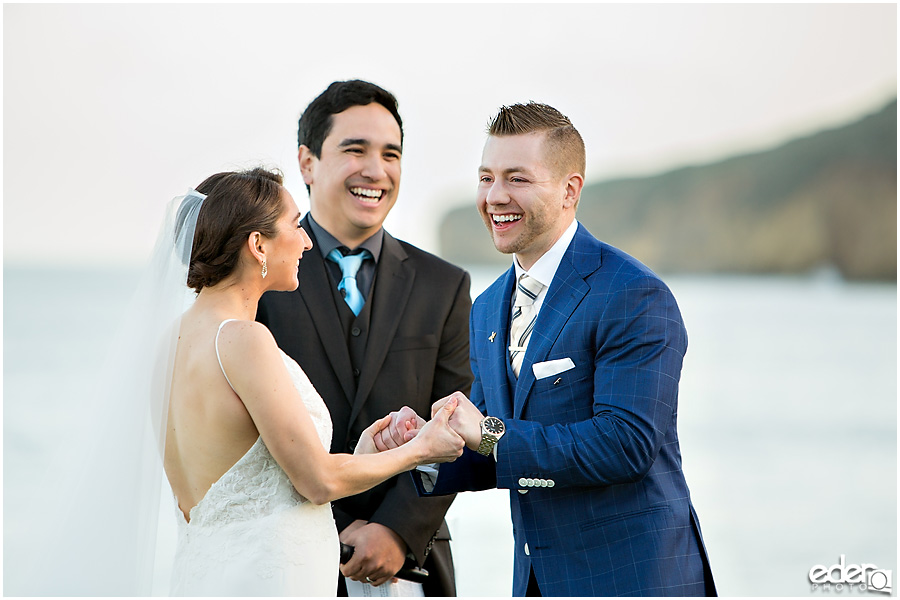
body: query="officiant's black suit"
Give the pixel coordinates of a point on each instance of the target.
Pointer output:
(408, 346)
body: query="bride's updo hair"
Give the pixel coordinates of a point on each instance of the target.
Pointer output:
(236, 205)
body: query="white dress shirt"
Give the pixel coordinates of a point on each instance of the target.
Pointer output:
(544, 270)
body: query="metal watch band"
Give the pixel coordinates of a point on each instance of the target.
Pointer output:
(487, 444)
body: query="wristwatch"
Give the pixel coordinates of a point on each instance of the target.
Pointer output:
(492, 429)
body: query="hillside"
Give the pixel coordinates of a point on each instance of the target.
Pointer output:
(829, 199)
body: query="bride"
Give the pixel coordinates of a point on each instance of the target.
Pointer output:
(198, 393)
(247, 436)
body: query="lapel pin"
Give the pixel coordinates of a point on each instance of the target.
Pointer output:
(558, 381)
(492, 336)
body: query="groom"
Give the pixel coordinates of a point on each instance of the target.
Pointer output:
(577, 352)
(376, 323)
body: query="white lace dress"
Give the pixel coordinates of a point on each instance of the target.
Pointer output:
(252, 534)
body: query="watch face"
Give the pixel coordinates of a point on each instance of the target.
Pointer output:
(493, 425)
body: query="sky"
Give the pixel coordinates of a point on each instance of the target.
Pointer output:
(110, 110)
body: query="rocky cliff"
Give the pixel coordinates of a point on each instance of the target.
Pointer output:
(826, 200)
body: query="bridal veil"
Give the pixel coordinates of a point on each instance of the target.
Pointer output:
(98, 533)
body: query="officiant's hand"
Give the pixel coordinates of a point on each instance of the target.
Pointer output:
(465, 420)
(404, 425)
(378, 552)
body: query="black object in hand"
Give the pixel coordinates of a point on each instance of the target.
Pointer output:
(410, 571)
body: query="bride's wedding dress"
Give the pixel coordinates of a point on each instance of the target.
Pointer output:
(252, 534)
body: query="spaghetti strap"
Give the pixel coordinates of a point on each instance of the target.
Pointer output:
(219, 357)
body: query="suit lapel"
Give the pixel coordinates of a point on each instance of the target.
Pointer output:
(498, 303)
(315, 291)
(393, 285)
(566, 292)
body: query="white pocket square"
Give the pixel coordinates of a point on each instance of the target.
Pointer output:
(542, 370)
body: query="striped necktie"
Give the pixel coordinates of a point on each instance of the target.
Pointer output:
(523, 317)
(349, 268)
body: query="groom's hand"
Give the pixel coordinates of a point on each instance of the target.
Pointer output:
(378, 552)
(465, 420)
(404, 426)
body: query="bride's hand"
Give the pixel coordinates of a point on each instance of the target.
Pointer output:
(366, 444)
(437, 439)
(404, 426)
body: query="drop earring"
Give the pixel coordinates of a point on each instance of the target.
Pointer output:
(265, 270)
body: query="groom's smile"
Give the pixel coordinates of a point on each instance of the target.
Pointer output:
(520, 198)
(505, 221)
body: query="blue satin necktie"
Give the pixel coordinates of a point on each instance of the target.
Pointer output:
(349, 267)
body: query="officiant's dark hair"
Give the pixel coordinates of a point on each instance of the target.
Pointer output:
(236, 205)
(316, 121)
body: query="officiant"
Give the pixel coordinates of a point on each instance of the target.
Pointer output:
(376, 323)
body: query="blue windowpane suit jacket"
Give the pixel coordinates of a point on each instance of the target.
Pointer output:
(599, 503)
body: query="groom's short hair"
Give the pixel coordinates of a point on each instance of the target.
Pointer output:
(564, 149)
(316, 121)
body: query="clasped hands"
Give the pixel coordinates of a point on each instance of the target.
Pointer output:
(455, 412)
(455, 423)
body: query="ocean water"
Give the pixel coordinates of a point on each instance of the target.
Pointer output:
(787, 421)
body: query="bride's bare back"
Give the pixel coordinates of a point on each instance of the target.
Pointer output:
(209, 428)
(248, 400)
(214, 421)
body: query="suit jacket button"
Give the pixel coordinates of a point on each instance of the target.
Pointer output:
(544, 483)
(356, 372)
(355, 332)
(550, 483)
(352, 445)
(523, 482)
(527, 552)
(523, 491)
